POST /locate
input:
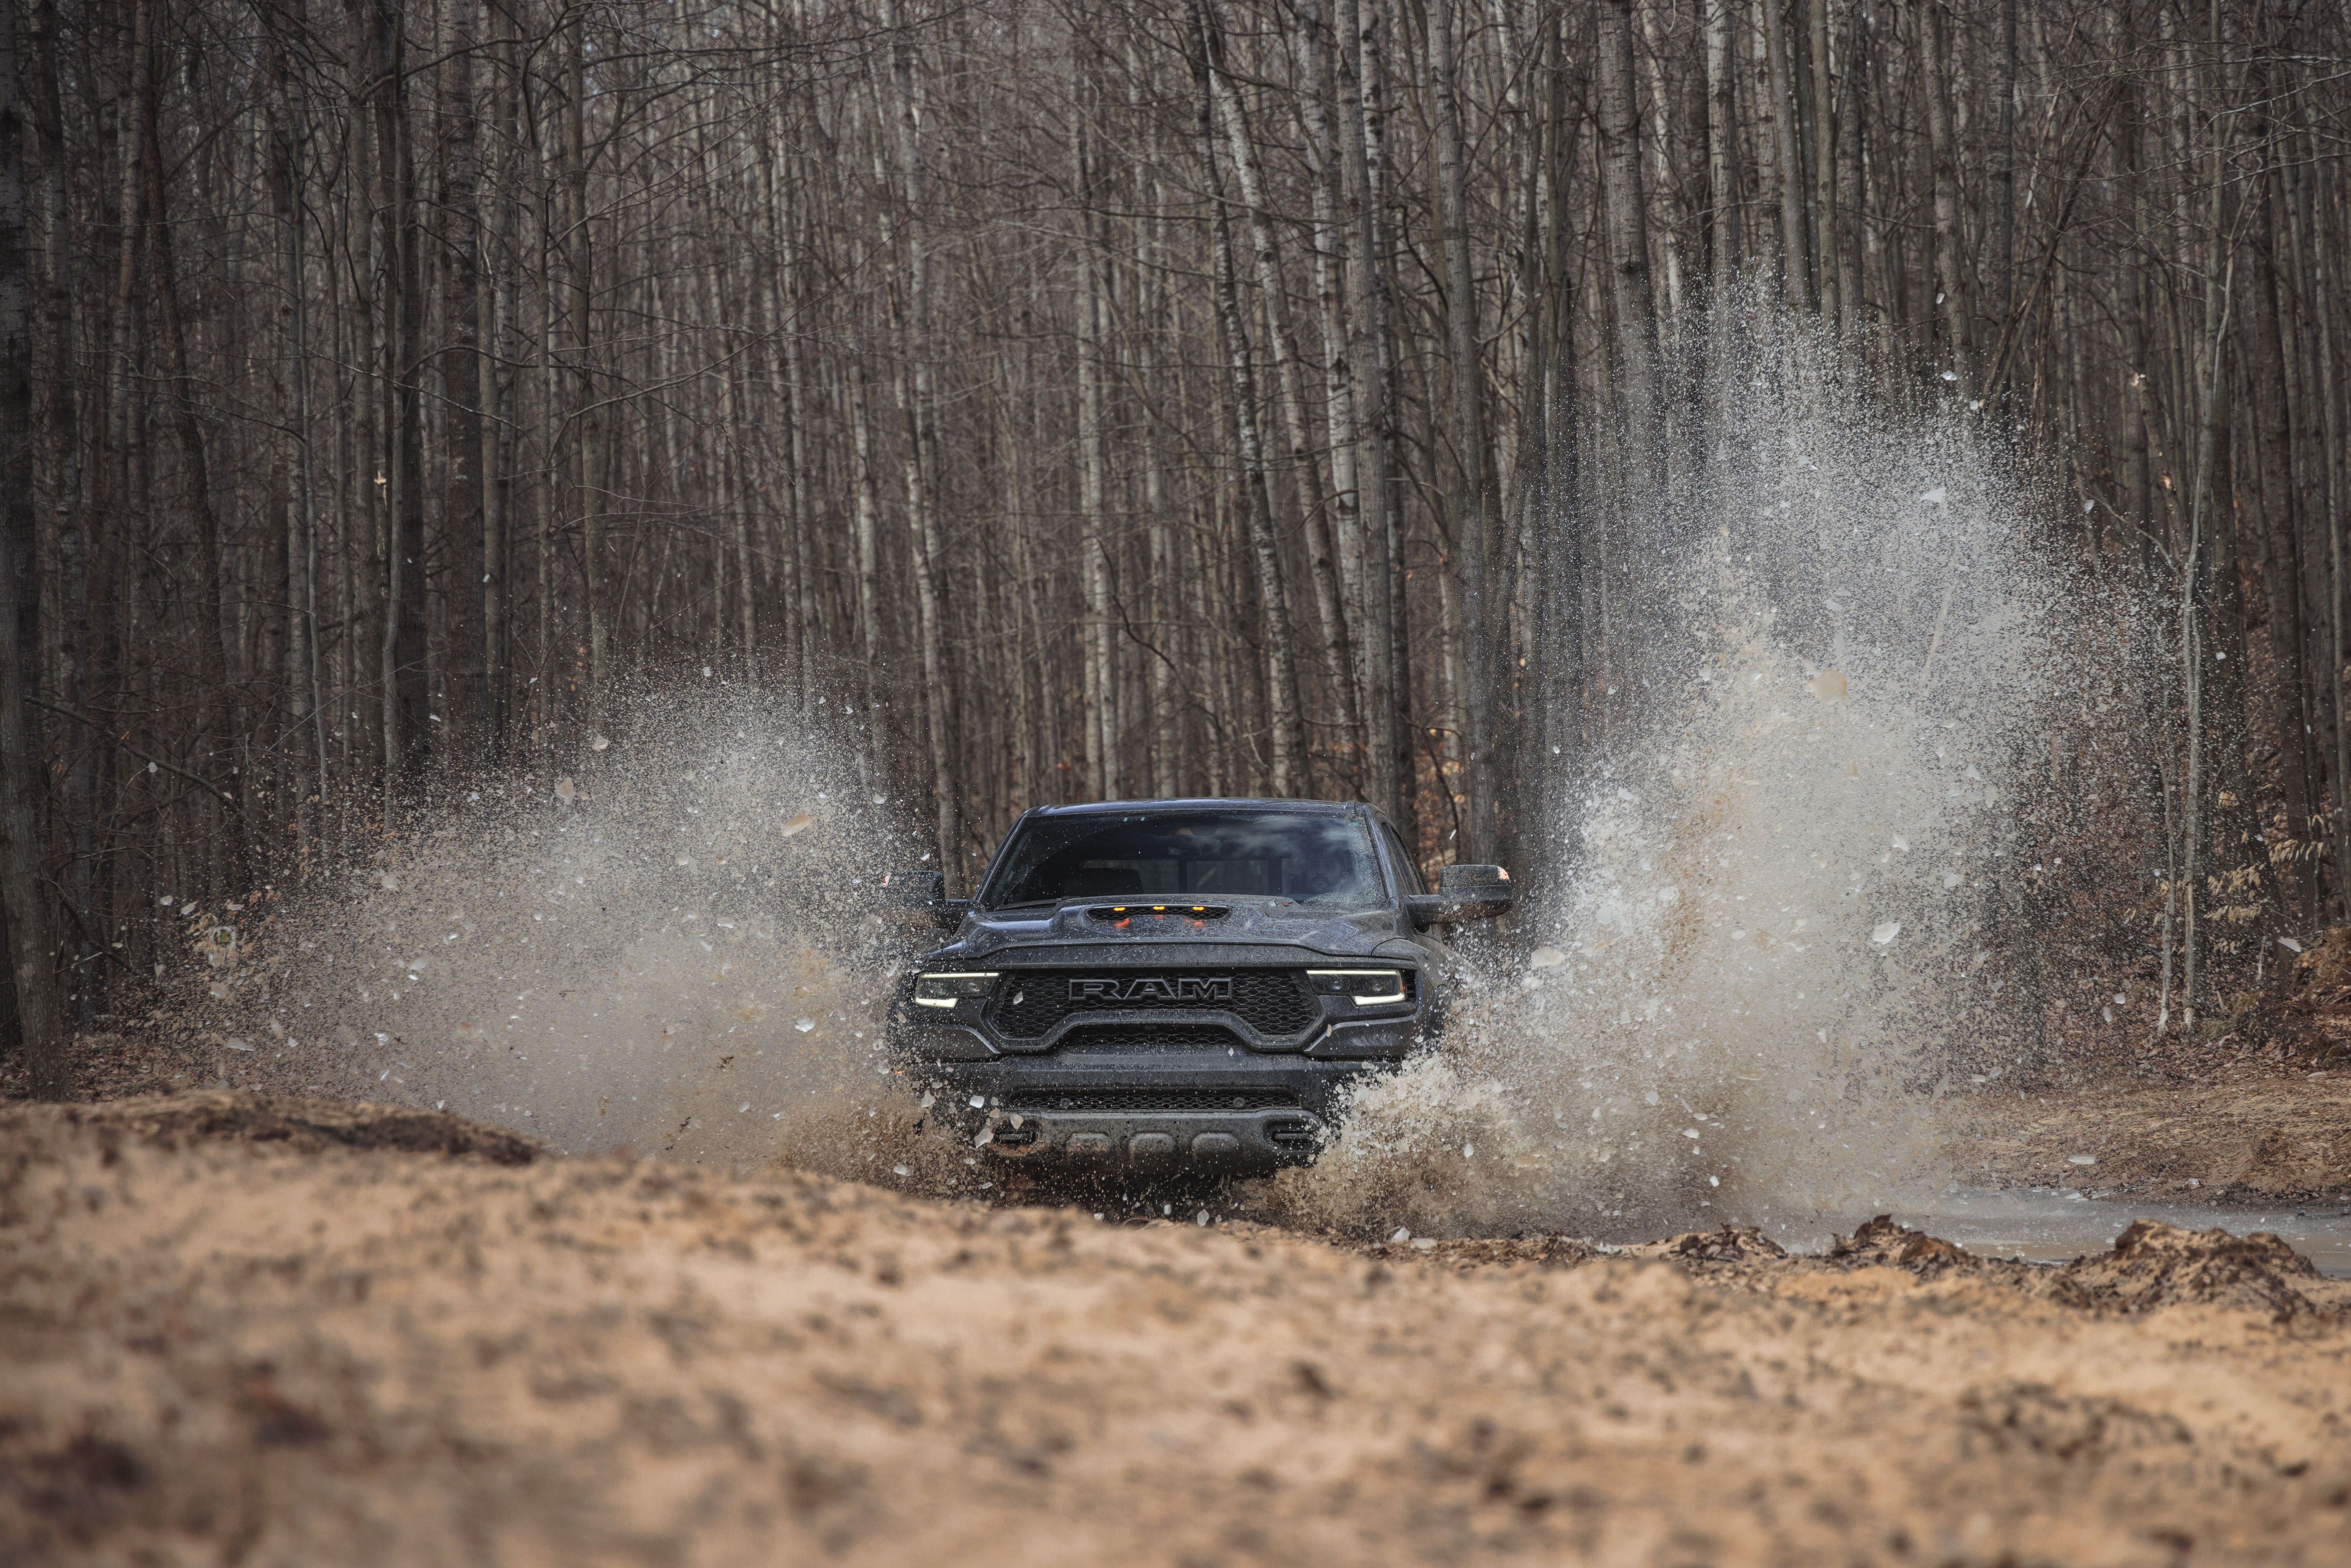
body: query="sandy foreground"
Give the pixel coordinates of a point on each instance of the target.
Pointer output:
(236, 1329)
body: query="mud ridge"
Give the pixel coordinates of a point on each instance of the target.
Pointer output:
(2152, 1265)
(302, 1124)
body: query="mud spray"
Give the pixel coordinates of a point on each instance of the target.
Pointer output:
(1782, 889)
(673, 948)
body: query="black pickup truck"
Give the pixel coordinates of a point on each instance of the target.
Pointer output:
(1177, 984)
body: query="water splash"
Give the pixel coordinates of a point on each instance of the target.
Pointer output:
(1780, 892)
(672, 948)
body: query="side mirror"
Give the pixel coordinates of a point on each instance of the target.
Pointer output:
(919, 898)
(913, 889)
(1464, 893)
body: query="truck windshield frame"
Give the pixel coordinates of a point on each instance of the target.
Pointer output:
(1321, 859)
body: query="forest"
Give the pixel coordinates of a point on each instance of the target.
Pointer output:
(1070, 400)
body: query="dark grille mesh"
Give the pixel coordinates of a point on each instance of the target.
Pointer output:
(1143, 1036)
(1114, 1101)
(1271, 1001)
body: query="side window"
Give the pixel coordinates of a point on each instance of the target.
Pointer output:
(1407, 869)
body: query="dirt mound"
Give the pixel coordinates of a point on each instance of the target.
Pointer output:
(2158, 1265)
(1734, 1244)
(1884, 1241)
(307, 1125)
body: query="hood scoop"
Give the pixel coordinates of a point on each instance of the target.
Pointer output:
(1150, 915)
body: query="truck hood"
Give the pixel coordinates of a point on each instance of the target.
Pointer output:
(1079, 927)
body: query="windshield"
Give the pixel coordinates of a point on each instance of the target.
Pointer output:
(1191, 856)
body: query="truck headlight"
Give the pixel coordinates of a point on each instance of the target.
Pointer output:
(944, 990)
(1367, 987)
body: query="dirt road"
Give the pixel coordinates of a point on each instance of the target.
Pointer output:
(235, 1330)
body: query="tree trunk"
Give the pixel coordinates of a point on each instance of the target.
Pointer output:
(31, 951)
(1474, 499)
(1281, 341)
(285, 140)
(1825, 163)
(464, 501)
(1387, 730)
(1852, 177)
(1660, 180)
(219, 724)
(1340, 416)
(2000, 180)
(60, 427)
(2282, 564)
(495, 309)
(1287, 772)
(920, 462)
(1154, 317)
(1950, 288)
(1632, 299)
(408, 701)
(1726, 248)
(1100, 723)
(588, 418)
(801, 633)
(1796, 254)
(866, 480)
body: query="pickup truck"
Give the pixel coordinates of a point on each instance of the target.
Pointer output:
(1176, 985)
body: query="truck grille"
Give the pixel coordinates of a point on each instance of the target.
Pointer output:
(1145, 1037)
(1274, 1002)
(1122, 1101)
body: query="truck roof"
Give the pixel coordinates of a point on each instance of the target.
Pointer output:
(1318, 808)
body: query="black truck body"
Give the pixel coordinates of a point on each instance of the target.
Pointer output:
(1177, 984)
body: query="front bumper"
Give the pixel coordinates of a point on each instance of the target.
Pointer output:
(1144, 1111)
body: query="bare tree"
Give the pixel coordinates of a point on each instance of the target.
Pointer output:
(31, 955)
